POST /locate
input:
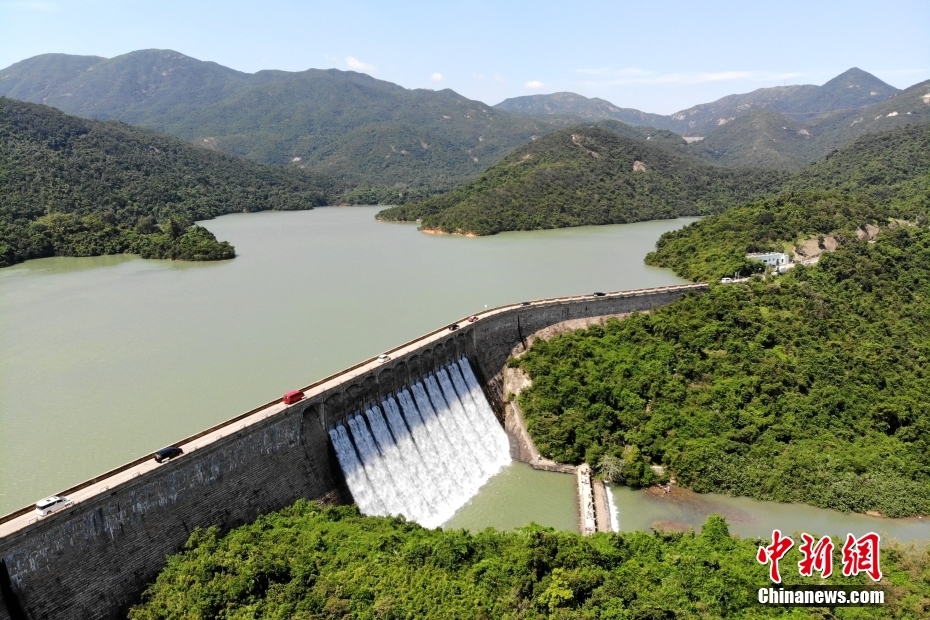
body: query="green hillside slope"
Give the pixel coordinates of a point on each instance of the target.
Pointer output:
(873, 180)
(366, 131)
(775, 140)
(587, 175)
(589, 109)
(851, 90)
(74, 187)
(810, 387)
(763, 138)
(308, 561)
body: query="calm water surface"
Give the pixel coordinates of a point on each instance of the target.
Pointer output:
(104, 359)
(642, 509)
(518, 496)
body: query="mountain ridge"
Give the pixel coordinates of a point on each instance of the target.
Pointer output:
(348, 124)
(387, 144)
(805, 101)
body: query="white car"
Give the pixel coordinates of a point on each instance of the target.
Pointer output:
(726, 280)
(52, 504)
(383, 358)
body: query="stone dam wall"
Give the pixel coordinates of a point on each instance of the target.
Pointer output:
(94, 560)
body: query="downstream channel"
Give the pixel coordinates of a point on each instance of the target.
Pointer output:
(105, 359)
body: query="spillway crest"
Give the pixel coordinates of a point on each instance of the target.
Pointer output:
(425, 453)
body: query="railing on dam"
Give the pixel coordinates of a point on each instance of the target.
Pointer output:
(348, 372)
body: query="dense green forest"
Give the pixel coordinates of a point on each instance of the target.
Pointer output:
(374, 135)
(310, 562)
(588, 175)
(73, 187)
(809, 388)
(358, 129)
(558, 181)
(876, 179)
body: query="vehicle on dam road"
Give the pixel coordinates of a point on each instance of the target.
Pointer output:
(52, 504)
(166, 454)
(472, 318)
(599, 294)
(383, 358)
(453, 327)
(292, 397)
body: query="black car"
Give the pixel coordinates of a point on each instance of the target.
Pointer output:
(599, 294)
(168, 453)
(525, 303)
(453, 327)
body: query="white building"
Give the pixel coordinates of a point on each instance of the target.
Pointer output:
(772, 259)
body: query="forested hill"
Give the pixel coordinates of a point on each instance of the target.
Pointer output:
(809, 387)
(387, 144)
(874, 181)
(75, 187)
(589, 174)
(307, 562)
(360, 129)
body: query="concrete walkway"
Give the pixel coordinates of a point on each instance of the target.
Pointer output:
(601, 507)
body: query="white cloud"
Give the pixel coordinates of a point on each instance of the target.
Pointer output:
(630, 71)
(357, 65)
(534, 85)
(499, 78)
(436, 77)
(593, 71)
(480, 77)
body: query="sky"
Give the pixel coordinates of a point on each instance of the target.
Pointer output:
(657, 56)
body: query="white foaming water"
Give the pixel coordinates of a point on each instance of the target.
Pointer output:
(487, 445)
(407, 483)
(437, 469)
(486, 417)
(378, 473)
(484, 461)
(416, 462)
(465, 469)
(427, 457)
(612, 509)
(354, 473)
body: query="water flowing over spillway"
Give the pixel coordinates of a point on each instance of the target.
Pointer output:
(427, 452)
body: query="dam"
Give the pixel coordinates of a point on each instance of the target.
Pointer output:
(94, 559)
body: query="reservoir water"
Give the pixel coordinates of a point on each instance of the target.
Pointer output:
(105, 359)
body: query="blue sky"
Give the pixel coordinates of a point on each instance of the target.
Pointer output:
(653, 55)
